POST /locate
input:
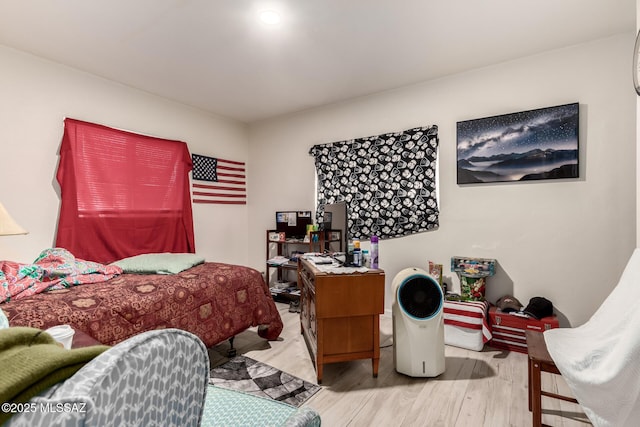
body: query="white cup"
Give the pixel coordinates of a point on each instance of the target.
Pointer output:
(63, 334)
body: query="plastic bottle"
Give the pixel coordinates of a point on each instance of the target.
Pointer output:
(374, 252)
(357, 254)
(366, 260)
(348, 259)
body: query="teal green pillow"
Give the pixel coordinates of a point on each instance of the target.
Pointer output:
(164, 263)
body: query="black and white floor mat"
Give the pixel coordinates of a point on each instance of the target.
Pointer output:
(250, 376)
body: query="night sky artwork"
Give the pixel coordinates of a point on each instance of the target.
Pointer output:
(529, 145)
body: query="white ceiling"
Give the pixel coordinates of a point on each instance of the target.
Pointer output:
(214, 55)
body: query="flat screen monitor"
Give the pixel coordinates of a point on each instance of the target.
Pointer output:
(293, 223)
(339, 220)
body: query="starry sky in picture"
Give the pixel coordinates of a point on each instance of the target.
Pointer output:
(545, 128)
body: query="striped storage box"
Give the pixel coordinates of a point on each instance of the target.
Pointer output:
(466, 324)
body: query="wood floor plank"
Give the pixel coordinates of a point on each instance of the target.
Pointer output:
(486, 388)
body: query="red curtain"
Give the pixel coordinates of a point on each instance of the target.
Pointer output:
(123, 194)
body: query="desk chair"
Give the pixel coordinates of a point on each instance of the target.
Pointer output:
(600, 359)
(540, 361)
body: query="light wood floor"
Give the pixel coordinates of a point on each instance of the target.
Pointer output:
(487, 388)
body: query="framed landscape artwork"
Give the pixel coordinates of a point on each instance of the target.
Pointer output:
(529, 145)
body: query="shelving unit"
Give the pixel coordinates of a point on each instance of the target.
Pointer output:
(326, 240)
(281, 269)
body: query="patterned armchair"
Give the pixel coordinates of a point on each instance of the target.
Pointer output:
(155, 378)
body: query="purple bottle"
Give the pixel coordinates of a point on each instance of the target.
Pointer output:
(374, 252)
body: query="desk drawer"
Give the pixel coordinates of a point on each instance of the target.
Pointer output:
(350, 296)
(509, 330)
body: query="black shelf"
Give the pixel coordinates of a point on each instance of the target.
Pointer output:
(283, 272)
(319, 241)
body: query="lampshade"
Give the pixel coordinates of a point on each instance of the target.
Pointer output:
(7, 225)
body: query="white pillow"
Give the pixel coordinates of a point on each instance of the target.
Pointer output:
(4, 322)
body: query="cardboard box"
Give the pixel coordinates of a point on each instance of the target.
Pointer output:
(508, 330)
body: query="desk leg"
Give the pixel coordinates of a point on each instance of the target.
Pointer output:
(536, 397)
(319, 370)
(320, 349)
(529, 368)
(375, 361)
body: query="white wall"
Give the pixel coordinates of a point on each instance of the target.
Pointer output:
(567, 240)
(637, 143)
(36, 95)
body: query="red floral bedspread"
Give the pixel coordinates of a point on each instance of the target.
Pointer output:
(55, 268)
(212, 300)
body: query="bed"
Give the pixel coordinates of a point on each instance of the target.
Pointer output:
(214, 301)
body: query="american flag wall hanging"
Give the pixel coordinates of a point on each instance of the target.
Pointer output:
(218, 181)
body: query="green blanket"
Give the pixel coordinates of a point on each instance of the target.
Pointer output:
(32, 361)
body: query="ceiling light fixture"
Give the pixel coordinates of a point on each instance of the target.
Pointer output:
(270, 17)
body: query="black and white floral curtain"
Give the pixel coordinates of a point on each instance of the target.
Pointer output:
(388, 182)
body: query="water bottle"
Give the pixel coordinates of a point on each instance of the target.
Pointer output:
(374, 252)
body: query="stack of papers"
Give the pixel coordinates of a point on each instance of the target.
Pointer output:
(319, 259)
(278, 260)
(337, 269)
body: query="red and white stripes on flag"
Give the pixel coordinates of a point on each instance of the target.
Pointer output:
(218, 181)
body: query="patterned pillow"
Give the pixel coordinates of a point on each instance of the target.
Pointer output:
(164, 263)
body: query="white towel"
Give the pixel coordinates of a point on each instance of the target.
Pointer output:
(600, 360)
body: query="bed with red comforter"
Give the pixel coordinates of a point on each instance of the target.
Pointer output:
(214, 301)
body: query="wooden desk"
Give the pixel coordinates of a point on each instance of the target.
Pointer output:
(340, 315)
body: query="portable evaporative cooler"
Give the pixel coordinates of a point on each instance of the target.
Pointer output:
(418, 324)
